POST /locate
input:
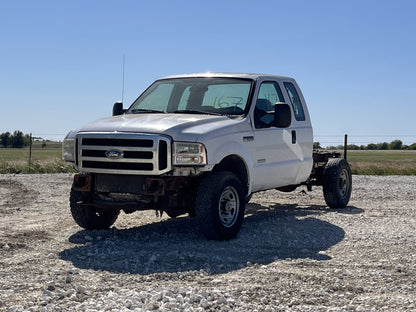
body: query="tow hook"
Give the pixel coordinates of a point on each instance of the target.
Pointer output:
(82, 183)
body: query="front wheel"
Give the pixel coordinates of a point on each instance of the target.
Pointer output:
(88, 217)
(220, 205)
(337, 183)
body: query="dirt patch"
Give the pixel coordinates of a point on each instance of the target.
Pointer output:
(14, 195)
(292, 254)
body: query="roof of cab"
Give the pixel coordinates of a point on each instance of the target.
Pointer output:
(226, 75)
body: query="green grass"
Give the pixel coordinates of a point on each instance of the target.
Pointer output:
(383, 156)
(48, 159)
(388, 162)
(45, 159)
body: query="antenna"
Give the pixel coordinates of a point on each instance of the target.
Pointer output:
(122, 88)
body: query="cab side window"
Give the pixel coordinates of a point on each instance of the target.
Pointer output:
(269, 95)
(295, 100)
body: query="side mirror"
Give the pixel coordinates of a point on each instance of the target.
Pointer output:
(118, 108)
(282, 115)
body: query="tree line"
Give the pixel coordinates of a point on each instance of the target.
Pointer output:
(393, 145)
(15, 140)
(19, 140)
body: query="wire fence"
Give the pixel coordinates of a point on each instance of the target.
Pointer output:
(361, 139)
(323, 139)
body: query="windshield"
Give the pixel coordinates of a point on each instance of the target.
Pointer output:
(217, 96)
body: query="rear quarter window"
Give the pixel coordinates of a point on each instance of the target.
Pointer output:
(295, 101)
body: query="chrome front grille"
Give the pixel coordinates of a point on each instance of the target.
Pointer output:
(123, 153)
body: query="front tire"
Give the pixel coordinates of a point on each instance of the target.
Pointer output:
(337, 183)
(88, 217)
(220, 205)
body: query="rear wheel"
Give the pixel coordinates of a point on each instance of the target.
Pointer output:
(337, 183)
(220, 205)
(89, 217)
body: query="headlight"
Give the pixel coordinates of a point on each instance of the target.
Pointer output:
(68, 150)
(185, 153)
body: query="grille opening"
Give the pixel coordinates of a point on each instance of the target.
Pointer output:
(127, 154)
(163, 155)
(117, 166)
(117, 142)
(76, 152)
(136, 153)
(141, 155)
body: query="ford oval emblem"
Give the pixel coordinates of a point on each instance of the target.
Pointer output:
(114, 154)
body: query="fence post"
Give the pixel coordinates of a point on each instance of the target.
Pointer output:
(30, 149)
(345, 146)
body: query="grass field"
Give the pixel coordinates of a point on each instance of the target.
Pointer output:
(47, 158)
(387, 162)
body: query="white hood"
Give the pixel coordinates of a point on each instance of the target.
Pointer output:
(181, 127)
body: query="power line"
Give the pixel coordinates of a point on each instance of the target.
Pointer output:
(34, 133)
(367, 136)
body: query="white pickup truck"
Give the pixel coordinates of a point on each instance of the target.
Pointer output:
(200, 144)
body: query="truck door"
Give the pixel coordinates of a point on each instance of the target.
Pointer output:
(277, 156)
(302, 129)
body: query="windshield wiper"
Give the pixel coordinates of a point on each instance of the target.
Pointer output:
(187, 111)
(145, 110)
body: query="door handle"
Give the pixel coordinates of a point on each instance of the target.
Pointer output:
(293, 137)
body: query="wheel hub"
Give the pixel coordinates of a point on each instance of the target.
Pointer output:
(228, 206)
(343, 183)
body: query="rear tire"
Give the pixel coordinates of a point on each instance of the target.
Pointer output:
(337, 183)
(220, 205)
(89, 217)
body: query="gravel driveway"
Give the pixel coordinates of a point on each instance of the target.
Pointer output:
(292, 254)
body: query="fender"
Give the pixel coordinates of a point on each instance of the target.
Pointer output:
(217, 152)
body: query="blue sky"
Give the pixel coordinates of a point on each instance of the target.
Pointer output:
(355, 61)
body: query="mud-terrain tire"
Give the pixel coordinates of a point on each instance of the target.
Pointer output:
(337, 183)
(88, 217)
(220, 205)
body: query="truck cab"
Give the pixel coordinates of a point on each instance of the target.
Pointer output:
(199, 144)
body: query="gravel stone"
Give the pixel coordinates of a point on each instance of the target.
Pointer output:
(292, 254)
